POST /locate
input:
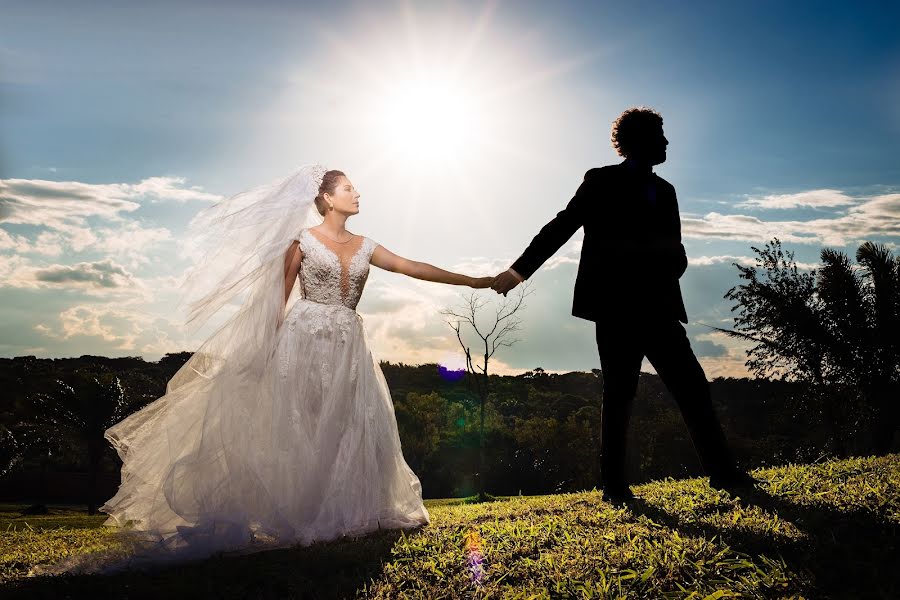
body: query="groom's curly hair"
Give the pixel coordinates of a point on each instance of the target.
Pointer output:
(630, 127)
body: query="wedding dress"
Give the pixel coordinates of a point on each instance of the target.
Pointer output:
(313, 456)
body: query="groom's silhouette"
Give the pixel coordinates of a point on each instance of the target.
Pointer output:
(627, 282)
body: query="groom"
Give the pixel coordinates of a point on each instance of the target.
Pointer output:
(627, 283)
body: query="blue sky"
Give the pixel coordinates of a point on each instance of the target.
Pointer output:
(120, 120)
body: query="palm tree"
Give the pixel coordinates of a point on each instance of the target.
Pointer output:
(882, 368)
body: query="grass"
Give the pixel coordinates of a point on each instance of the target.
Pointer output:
(826, 530)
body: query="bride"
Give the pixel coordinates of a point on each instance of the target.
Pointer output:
(280, 429)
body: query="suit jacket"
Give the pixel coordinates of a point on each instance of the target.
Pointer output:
(632, 255)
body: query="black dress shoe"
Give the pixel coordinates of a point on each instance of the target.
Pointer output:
(617, 494)
(735, 480)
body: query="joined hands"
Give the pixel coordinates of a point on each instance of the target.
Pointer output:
(502, 283)
(481, 282)
(506, 281)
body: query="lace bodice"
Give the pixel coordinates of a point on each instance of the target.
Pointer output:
(332, 276)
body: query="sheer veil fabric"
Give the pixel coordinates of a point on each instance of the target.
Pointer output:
(280, 428)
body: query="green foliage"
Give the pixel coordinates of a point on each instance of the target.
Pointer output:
(56, 410)
(811, 531)
(542, 430)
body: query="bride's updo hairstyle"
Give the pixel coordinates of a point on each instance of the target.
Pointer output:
(329, 183)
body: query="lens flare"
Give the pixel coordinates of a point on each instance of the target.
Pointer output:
(474, 556)
(448, 374)
(451, 367)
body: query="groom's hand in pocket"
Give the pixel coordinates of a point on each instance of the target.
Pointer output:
(506, 281)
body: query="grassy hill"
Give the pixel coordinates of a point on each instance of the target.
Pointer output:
(826, 530)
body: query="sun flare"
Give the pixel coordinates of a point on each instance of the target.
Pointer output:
(428, 118)
(427, 102)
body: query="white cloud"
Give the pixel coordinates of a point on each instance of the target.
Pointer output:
(813, 198)
(130, 241)
(47, 243)
(705, 261)
(874, 217)
(110, 324)
(563, 259)
(79, 239)
(11, 267)
(62, 211)
(104, 273)
(123, 328)
(745, 261)
(159, 189)
(104, 277)
(479, 266)
(62, 204)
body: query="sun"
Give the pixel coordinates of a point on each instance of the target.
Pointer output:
(428, 118)
(428, 99)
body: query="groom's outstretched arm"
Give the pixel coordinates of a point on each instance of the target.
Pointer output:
(550, 238)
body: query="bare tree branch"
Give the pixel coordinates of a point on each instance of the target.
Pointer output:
(477, 376)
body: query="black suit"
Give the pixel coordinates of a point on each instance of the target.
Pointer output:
(627, 283)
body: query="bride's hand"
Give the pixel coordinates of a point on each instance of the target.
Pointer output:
(481, 282)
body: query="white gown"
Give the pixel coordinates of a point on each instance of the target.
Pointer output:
(317, 458)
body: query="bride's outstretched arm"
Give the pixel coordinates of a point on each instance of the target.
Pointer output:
(387, 260)
(292, 259)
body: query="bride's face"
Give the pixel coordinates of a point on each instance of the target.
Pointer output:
(345, 198)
